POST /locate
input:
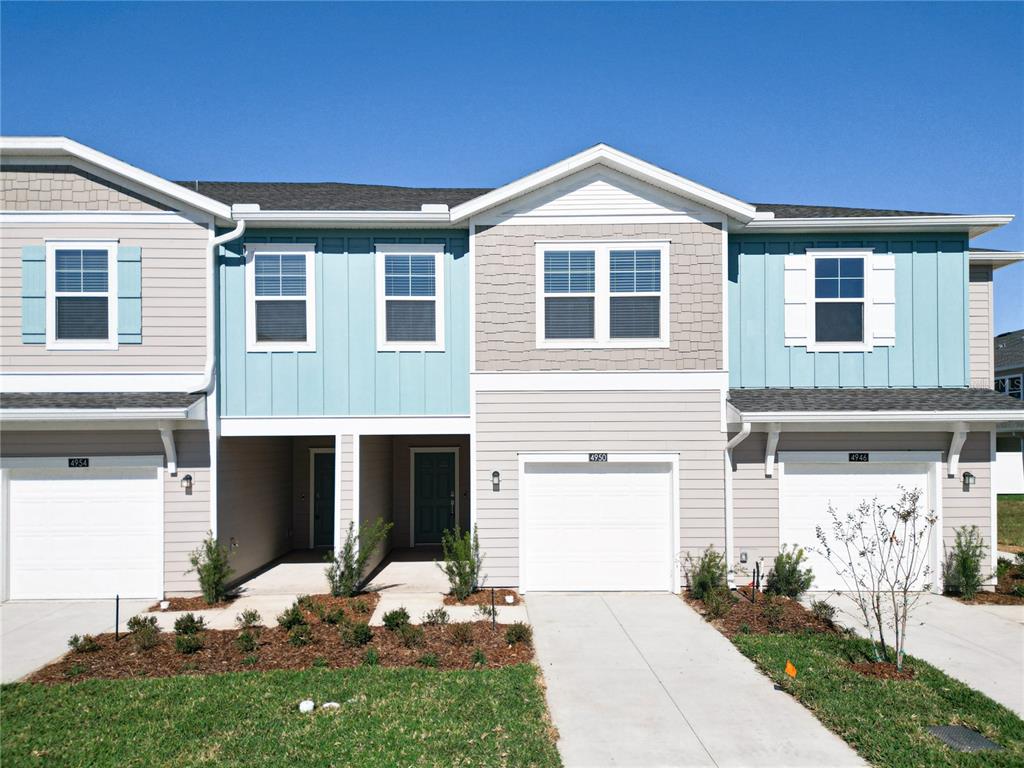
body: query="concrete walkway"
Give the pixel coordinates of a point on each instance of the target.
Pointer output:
(35, 633)
(981, 645)
(642, 680)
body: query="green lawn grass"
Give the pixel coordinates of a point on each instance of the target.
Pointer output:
(1010, 518)
(885, 721)
(388, 717)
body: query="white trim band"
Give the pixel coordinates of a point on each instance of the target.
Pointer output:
(287, 426)
(639, 381)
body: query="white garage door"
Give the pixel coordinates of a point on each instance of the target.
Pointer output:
(91, 533)
(593, 526)
(807, 490)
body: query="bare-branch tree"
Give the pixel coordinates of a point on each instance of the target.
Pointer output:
(881, 554)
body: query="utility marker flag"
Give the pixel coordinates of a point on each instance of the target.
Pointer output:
(790, 669)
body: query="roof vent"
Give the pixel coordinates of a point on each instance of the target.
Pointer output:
(245, 208)
(434, 208)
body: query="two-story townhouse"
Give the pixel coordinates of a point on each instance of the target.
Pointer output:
(1008, 377)
(600, 366)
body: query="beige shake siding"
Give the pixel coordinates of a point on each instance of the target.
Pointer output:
(65, 188)
(511, 423)
(979, 329)
(506, 322)
(756, 497)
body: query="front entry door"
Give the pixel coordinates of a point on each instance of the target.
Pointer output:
(323, 499)
(433, 495)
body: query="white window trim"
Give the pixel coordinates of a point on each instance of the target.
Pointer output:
(602, 294)
(52, 342)
(251, 344)
(436, 250)
(1006, 383)
(867, 343)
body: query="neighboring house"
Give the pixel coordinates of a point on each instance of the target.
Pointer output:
(1009, 376)
(602, 366)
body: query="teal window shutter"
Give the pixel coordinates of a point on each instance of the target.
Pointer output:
(129, 294)
(33, 294)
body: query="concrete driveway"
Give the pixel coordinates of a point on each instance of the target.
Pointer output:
(981, 645)
(35, 633)
(642, 680)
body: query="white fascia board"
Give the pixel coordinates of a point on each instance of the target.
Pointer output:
(839, 417)
(288, 426)
(995, 259)
(591, 381)
(346, 218)
(97, 414)
(137, 381)
(61, 146)
(620, 161)
(975, 225)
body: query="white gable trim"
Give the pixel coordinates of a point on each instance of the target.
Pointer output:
(54, 149)
(619, 161)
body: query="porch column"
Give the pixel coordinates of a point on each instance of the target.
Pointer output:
(339, 532)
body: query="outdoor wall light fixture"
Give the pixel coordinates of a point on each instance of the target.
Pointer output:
(969, 480)
(186, 483)
(495, 481)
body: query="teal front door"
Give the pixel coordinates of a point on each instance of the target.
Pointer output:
(323, 499)
(433, 495)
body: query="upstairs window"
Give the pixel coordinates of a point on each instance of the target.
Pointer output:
(81, 295)
(410, 297)
(1010, 385)
(602, 295)
(280, 281)
(838, 300)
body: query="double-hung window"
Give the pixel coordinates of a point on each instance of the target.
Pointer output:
(1011, 385)
(838, 299)
(81, 295)
(280, 297)
(594, 294)
(410, 297)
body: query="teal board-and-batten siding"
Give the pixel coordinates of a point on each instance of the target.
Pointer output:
(346, 375)
(931, 347)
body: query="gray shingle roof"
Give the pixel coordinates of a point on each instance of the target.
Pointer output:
(1009, 350)
(338, 196)
(815, 400)
(98, 400)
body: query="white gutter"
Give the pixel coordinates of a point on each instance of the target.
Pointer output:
(796, 417)
(735, 440)
(349, 218)
(995, 259)
(975, 224)
(94, 414)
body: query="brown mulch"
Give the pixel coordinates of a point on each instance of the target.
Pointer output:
(746, 617)
(883, 670)
(358, 608)
(121, 659)
(1003, 594)
(197, 603)
(483, 597)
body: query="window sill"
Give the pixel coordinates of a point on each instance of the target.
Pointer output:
(271, 346)
(411, 347)
(610, 344)
(81, 345)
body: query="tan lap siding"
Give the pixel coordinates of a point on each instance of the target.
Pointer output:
(962, 507)
(173, 299)
(186, 518)
(979, 329)
(510, 423)
(506, 278)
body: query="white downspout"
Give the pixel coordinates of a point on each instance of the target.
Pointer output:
(736, 439)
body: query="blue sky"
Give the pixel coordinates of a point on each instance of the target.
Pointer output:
(916, 106)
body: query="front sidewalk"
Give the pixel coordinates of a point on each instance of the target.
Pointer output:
(641, 680)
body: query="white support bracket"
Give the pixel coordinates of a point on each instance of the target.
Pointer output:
(769, 449)
(955, 446)
(170, 451)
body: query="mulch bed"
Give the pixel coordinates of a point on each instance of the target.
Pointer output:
(197, 603)
(1003, 594)
(483, 597)
(883, 670)
(747, 617)
(121, 659)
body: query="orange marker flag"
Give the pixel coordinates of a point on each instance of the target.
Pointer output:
(790, 669)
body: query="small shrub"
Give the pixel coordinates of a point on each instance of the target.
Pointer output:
(487, 612)
(744, 628)
(428, 660)
(319, 663)
(83, 644)
(461, 633)
(189, 624)
(292, 616)
(1003, 566)
(462, 562)
(360, 607)
(251, 660)
(410, 635)
(246, 641)
(345, 569)
(188, 644)
(435, 618)
(74, 670)
(137, 623)
(248, 619)
(706, 572)
(334, 616)
(210, 563)
(787, 577)
(1018, 590)
(718, 602)
(962, 568)
(300, 635)
(479, 658)
(396, 619)
(371, 657)
(773, 611)
(519, 633)
(357, 634)
(822, 610)
(146, 636)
